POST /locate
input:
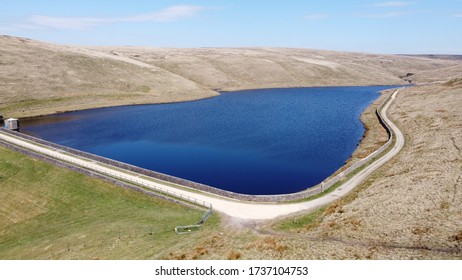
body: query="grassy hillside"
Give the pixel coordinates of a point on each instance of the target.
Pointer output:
(48, 212)
(409, 209)
(243, 68)
(40, 78)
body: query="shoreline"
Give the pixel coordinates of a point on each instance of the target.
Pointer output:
(22, 113)
(231, 207)
(50, 111)
(409, 208)
(367, 116)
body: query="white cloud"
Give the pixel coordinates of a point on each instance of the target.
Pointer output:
(315, 16)
(7, 29)
(67, 22)
(171, 13)
(20, 27)
(394, 4)
(168, 14)
(385, 15)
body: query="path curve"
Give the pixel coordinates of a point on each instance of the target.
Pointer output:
(230, 207)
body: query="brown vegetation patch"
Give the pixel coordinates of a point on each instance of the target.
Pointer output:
(233, 255)
(39, 78)
(408, 209)
(457, 237)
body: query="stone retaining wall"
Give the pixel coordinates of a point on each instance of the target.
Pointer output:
(197, 186)
(93, 174)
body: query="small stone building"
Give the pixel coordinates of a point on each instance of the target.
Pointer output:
(12, 124)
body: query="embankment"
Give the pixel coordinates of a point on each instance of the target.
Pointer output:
(324, 186)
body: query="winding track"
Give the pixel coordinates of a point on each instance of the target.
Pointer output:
(230, 207)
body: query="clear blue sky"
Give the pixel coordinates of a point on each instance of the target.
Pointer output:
(414, 26)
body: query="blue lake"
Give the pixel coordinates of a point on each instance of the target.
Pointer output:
(268, 141)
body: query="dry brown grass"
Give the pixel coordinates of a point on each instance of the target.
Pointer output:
(234, 255)
(39, 78)
(203, 250)
(409, 209)
(270, 243)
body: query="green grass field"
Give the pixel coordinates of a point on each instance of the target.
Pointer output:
(47, 212)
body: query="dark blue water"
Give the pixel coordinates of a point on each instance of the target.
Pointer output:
(269, 141)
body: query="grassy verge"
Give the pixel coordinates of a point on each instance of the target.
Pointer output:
(52, 105)
(310, 220)
(348, 177)
(300, 221)
(48, 212)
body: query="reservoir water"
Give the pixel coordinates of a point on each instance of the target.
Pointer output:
(268, 141)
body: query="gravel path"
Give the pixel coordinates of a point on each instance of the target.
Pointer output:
(230, 207)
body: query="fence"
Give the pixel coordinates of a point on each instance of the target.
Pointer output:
(197, 186)
(105, 170)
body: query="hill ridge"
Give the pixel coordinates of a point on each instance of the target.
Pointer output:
(41, 78)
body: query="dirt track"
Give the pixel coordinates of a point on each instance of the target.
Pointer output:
(411, 207)
(232, 208)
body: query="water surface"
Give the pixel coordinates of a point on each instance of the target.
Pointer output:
(269, 141)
